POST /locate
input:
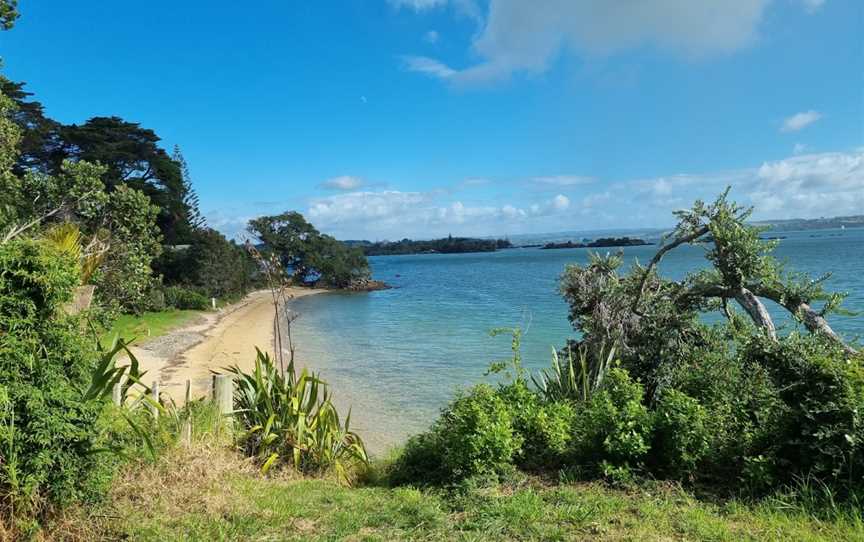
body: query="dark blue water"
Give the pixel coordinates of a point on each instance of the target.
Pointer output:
(398, 355)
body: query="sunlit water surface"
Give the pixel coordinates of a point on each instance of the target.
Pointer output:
(396, 356)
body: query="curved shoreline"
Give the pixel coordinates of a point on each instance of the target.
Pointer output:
(212, 342)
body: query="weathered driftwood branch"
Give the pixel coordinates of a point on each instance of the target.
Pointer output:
(659, 256)
(757, 311)
(748, 298)
(812, 319)
(749, 301)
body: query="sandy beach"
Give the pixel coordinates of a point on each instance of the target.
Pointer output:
(211, 342)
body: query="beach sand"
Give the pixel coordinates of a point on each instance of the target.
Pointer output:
(210, 343)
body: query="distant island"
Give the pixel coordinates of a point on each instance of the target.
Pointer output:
(447, 245)
(799, 224)
(603, 242)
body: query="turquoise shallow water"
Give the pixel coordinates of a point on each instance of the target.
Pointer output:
(397, 355)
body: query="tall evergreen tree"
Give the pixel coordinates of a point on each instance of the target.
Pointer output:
(194, 217)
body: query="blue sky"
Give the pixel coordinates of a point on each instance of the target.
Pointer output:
(389, 118)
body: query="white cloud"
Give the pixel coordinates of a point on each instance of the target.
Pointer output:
(562, 180)
(429, 66)
(812, 6)
(800, 186)
(343, 182)
(799, 121)
(431, 36)
(560, 202)
(418, 5)
(826, 184)
(395, 214)
(799, 148)
(519, 36)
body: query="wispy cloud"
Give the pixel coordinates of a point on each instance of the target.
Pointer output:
(428, 66)
(515, 36)
(418, 5)
(431, 36)
(799, 121)
(395, 214)
(803, 185)
(343, 183)
(812, 6)
(558, 181)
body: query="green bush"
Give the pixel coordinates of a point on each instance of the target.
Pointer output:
(681, 437)
(476, 435)
(741, 405)
(419, 463)
(210, 264)
(545, 427)
(820, 430)
(614, 426)
(181, 298)
(48, 430)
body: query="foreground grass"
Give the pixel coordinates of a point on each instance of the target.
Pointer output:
(213, 495)
(147, 325)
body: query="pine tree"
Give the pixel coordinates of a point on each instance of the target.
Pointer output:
(190, 198)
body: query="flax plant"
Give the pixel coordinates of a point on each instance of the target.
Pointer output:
(288, 417)
(577, 378)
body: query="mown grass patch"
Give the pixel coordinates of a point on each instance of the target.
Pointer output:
(213, 494)
(147, 325)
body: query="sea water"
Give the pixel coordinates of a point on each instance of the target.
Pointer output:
(397, 356)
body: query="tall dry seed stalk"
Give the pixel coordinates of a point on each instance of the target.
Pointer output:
(278, 282)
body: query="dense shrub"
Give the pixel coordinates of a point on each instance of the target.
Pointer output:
(545, 427)
(48, 429)
(613, 425)
(210, 264)
(820, 427)
(474, 436)
(181, 298)
(681, 437)
(287, 417)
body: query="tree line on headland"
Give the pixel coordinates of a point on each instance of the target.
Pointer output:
(603, 242)
(446, 245)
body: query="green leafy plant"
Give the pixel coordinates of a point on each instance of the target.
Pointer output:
(575, 379)
(614, 426)
(681, 434)
(290, 418)
(47, 424)
(181, 298)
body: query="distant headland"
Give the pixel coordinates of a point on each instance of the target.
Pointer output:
(446, 245)
(603, 242)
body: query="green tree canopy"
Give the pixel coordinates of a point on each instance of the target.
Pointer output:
(309, 255)
(8, 13)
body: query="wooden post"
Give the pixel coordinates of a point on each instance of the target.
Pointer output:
(117, 394)
(186, 435)
(213, 302)
(223, 390)
(155, 396)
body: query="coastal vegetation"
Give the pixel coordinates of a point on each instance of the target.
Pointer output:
(652, 391)
(603, 242)
(654, 423)
(447, 245)
(312, 258)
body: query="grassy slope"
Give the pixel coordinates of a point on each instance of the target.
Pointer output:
(212, 495)
(148, 325)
